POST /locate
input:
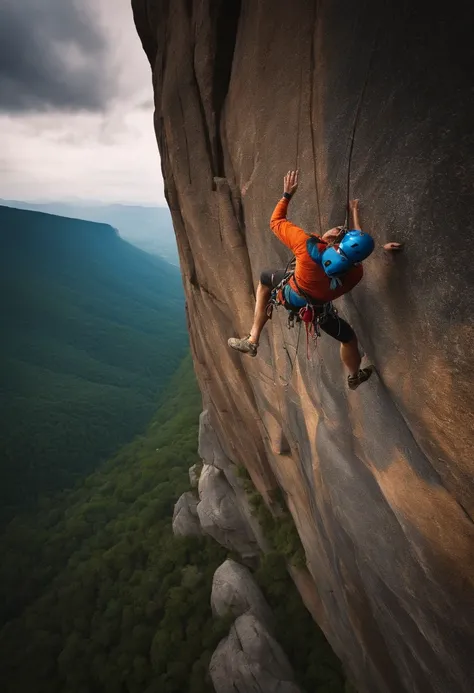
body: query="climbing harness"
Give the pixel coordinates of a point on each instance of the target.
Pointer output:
(312, 314)
(312, 320)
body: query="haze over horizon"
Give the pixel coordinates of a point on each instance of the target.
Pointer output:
(76, 108)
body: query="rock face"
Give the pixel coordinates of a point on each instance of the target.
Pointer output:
(185, 516)
(234, 590)
(250, 660)
(379, 481)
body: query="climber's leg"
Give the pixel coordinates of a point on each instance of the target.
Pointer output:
(248, 345)
(260, 316)
(350, 356)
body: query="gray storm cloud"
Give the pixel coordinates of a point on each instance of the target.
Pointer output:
(51, 52)
(76, 104)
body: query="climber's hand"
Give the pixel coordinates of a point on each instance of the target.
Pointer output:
(290, 183)
(333, 235)
(393, 246)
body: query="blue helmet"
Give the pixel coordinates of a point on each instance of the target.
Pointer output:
(334, 263)
(356, 246)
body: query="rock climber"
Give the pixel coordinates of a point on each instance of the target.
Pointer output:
(326, 267)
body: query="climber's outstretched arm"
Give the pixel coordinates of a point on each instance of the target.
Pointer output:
(289, 234)
(355, 224)
(354, 221)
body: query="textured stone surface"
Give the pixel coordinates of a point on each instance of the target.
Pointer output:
(250, 660)
(185, 517)
(220, 516)
(194, 473)
(379, 481)
(212, 452)
(235, 591)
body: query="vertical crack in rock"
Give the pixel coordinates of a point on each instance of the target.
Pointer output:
(227, 22)
(312, 124)
(186, 144)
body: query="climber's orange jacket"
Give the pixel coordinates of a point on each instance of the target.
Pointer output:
(310, 277)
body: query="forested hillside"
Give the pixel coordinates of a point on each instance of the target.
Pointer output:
(149, 228)
(92, 329)
(97, 595)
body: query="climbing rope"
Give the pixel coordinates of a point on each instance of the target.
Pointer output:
(307, 314)
(354, 127)
(311, 126)
(298, 124)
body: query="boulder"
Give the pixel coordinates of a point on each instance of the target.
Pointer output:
(194, 473)
(185, 516)
(220, 515)
(250, 660)
(235, 591)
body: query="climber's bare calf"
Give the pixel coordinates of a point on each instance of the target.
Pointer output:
(249, 344)
(260, 315)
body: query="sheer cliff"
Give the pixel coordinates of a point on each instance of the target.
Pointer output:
(379, 481)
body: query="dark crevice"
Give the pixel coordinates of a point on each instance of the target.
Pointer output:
(205, 124)
(193, 280)
(164, 53)
(144, 29)
(211, 295)
(226, 27)
(188, 158)
(312, 77)
(219, 221)
(466, 513)
(188, 4)
(235, 196)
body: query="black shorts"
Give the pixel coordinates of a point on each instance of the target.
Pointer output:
(333, 325)
(271, 278)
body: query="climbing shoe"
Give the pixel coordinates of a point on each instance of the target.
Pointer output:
(243, 345)
(355, 380)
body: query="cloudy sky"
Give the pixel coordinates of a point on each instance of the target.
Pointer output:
(76, 106)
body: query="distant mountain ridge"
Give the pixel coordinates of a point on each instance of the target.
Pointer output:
(92, 329)
(149, 228)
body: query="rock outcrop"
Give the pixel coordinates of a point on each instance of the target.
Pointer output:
(194, 473)
(222, 511)
(185, 516)
(235, 591)
(220, 516)
(379, 481)
(211, 451)
(250, 660)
